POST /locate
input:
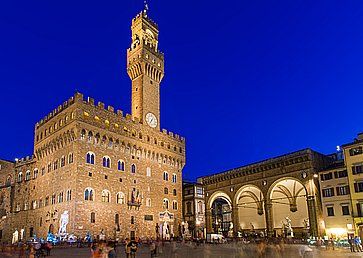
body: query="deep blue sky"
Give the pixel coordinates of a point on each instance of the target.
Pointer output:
(245, 80)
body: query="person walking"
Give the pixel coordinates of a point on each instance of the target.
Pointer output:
(111, 250)
(127, 248)
(357, 244)
(351, 244)
(152, 249)
(133, 248)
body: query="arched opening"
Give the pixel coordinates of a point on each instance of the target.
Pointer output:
(221, 211)
(289, 206)
(251, 214)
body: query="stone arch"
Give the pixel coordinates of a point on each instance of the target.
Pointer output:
(216, 195)
(249, 201)
(288, 199)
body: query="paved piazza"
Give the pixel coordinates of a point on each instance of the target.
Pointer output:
(209, 251)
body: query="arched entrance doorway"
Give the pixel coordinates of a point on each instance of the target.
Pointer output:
(250, 203)
(288, 197)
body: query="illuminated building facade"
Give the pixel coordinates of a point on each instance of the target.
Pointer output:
(336, 199)
(353, 154)
(97, 170)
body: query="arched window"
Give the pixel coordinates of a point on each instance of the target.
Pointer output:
(55, 165)
(166, 176)
(97, 138)
(34, 205)
(175, 205)
(26, 206)
(17, 208)
(174, 178)
(88, 194)
(117, 219)
(148, 171)
(60, 197)
(69, 195)
(121, 165)
(35, 173)
(20, 177)
(166, 191)
(63, 161)
(133, 168)
(93, 217)
(90, 136)
(106, 162)
(148, 202)
(27, 175)
(8, 181)
(166, 204)
(46, 203)
(120, 198)
(106, 196)
(174, 192)
(53, 199)
(110, 143)
(70, 158)
(90, 158)
(83, 134)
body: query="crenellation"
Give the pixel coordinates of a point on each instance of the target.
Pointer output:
(78, 97)
(120, 113)
(90, 101)
(101, 105)
(111, 109)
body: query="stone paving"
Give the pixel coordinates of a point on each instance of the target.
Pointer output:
(210, 251)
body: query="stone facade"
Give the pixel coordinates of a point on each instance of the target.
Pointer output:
(113, 173)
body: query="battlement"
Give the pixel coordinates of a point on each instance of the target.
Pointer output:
(24, 160)
(143, 15)
(119, 115)
(57, 110)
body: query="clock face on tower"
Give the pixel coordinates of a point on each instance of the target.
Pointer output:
(151, 120)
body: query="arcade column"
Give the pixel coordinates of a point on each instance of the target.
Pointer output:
(269, 219)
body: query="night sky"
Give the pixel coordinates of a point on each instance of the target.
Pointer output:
(245, 80)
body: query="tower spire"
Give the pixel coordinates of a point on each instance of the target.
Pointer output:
(146, 6)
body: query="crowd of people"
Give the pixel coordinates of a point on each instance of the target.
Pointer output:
(26, 250)
(131, 248)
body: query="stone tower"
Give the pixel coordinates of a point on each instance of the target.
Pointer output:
(145, 66)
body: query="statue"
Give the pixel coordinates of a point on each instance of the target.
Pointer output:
(288, 227)
(186, 228)
(15, 237)
(22, 231)
(102, 235)
(306, 224)
(165, 230)
(63, 222)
